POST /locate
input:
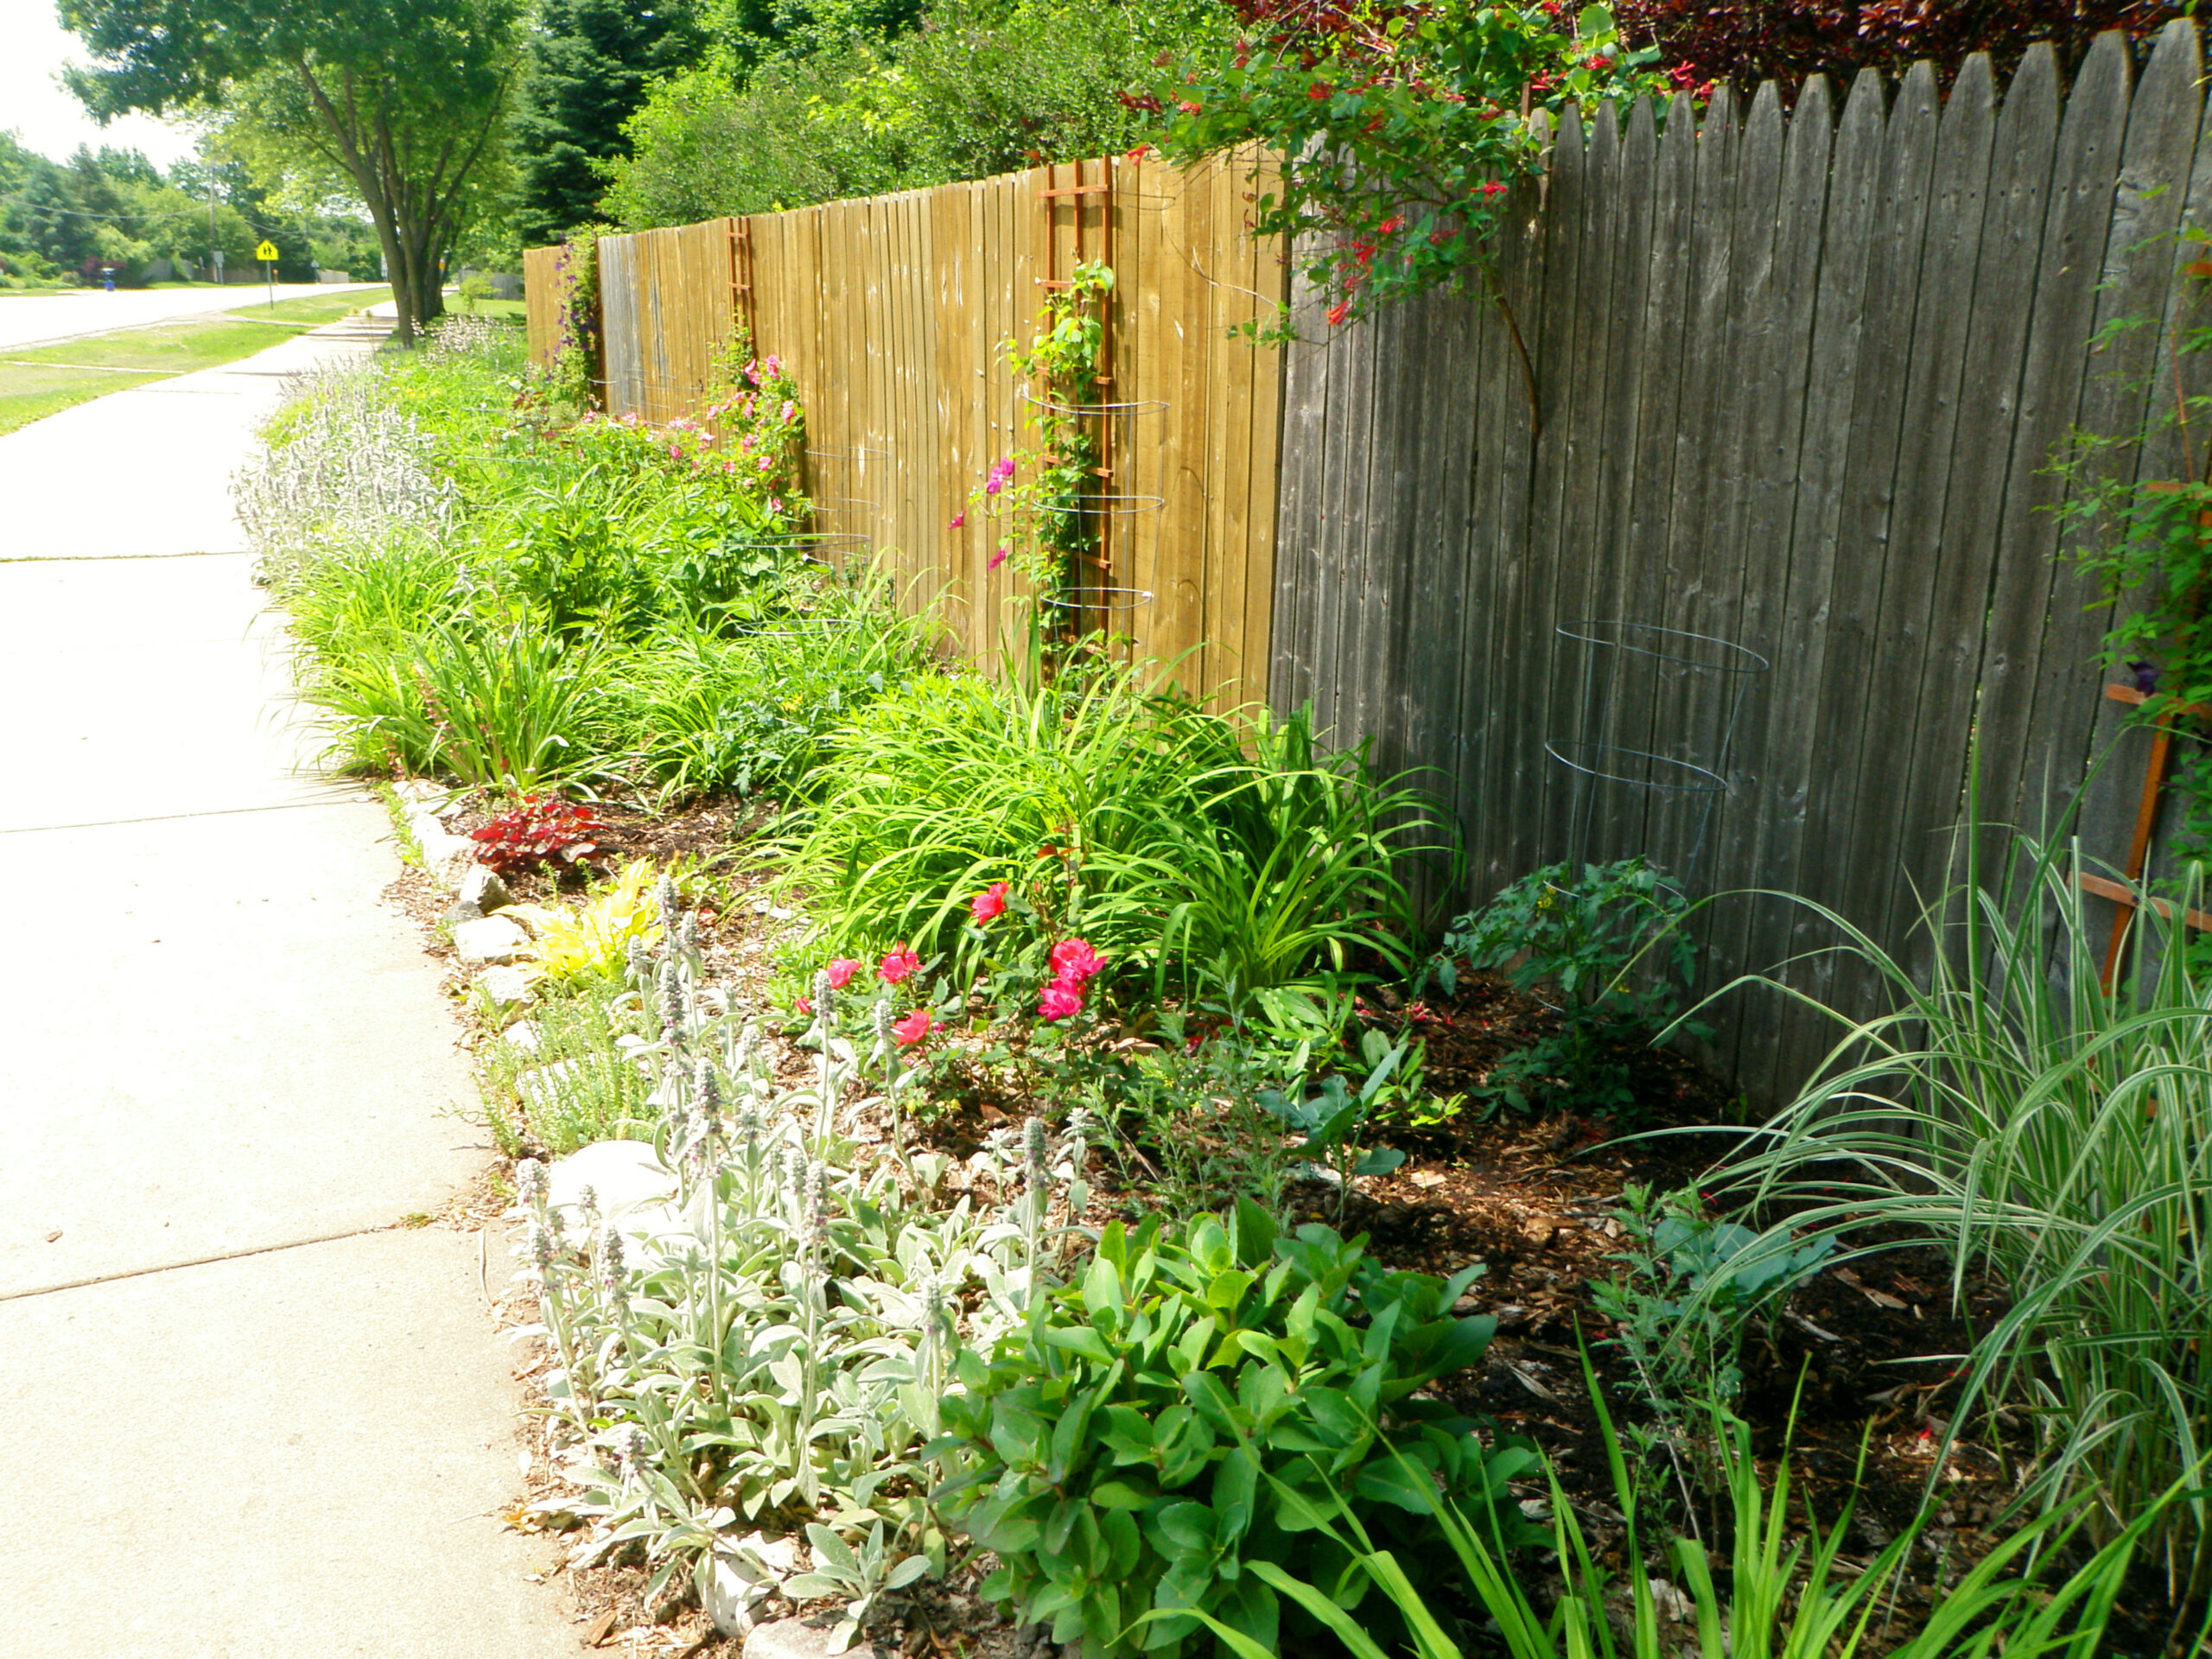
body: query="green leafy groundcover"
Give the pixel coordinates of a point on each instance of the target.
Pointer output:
(1182, 1413)
(495, 589)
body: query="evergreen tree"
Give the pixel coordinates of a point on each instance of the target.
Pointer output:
(591, 64)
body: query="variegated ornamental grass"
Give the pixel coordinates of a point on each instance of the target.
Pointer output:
(2057, 1137)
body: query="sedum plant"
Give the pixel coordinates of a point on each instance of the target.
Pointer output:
(1126, 1452)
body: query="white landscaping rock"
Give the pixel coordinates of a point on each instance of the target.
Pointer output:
(494, 940)
(505, 987)
(447, 857)
(634, 1194)
(789, 1638)
(481, 893)
(522, 1036)
(744, 1574)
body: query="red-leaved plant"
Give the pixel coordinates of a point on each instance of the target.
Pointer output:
(544, 829)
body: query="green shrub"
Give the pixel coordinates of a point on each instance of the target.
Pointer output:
(1606, 951)
(983, 87)
(696, 712)
(1159, 1430)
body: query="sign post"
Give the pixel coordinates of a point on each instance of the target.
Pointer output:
(267, 254)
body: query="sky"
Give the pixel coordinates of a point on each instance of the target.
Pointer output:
(42, 115)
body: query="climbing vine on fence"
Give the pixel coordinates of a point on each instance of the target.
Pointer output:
(1035, 498)
(2148, 542)
(1402, 127)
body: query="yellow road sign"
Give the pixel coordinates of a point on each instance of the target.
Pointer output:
(266, 250)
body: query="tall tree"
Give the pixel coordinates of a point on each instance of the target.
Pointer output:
(405, 97)
(590, 63)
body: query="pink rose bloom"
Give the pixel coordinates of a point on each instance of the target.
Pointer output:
(958, 519)
(988, 903)
(804, 1005)
(1059, 1001)
(841, 972)
(775, 364)
(897, 964)
(1074, 961)
(996, 559)
(915, 1026)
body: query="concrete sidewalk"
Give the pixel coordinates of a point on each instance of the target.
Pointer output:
(257, 1421)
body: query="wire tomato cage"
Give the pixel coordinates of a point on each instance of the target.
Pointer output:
(841, 480)
(1658, 710)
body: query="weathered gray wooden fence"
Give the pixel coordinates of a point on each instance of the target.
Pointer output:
(1801, 380)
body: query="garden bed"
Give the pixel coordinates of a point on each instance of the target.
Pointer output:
(1063, 1041)
(1864, 1355)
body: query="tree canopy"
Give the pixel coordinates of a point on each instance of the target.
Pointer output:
(406, 98)
(590, 65)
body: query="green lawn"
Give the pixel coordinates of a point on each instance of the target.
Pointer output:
(311, 308)
(46, 379)
(32, 394)
(486, 308)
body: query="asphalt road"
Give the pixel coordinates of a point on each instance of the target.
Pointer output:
(48, 319)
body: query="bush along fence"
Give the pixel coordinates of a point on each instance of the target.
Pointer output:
(893, 315)
(1735, 536)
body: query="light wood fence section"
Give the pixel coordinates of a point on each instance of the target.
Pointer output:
(545, 284)
(1801, 381)
(892, 312)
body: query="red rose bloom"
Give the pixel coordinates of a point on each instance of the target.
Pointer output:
(1074, 960)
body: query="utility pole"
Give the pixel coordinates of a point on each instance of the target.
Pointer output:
(213, 261)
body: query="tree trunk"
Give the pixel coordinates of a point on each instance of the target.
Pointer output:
(415, 216)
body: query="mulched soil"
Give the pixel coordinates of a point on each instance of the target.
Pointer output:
(1862, 1357)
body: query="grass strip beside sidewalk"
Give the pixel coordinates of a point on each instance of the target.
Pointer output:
(44, 381)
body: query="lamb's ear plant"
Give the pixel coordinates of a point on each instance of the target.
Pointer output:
(2056, 1136)
(777, 1343)
(861, 1575)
